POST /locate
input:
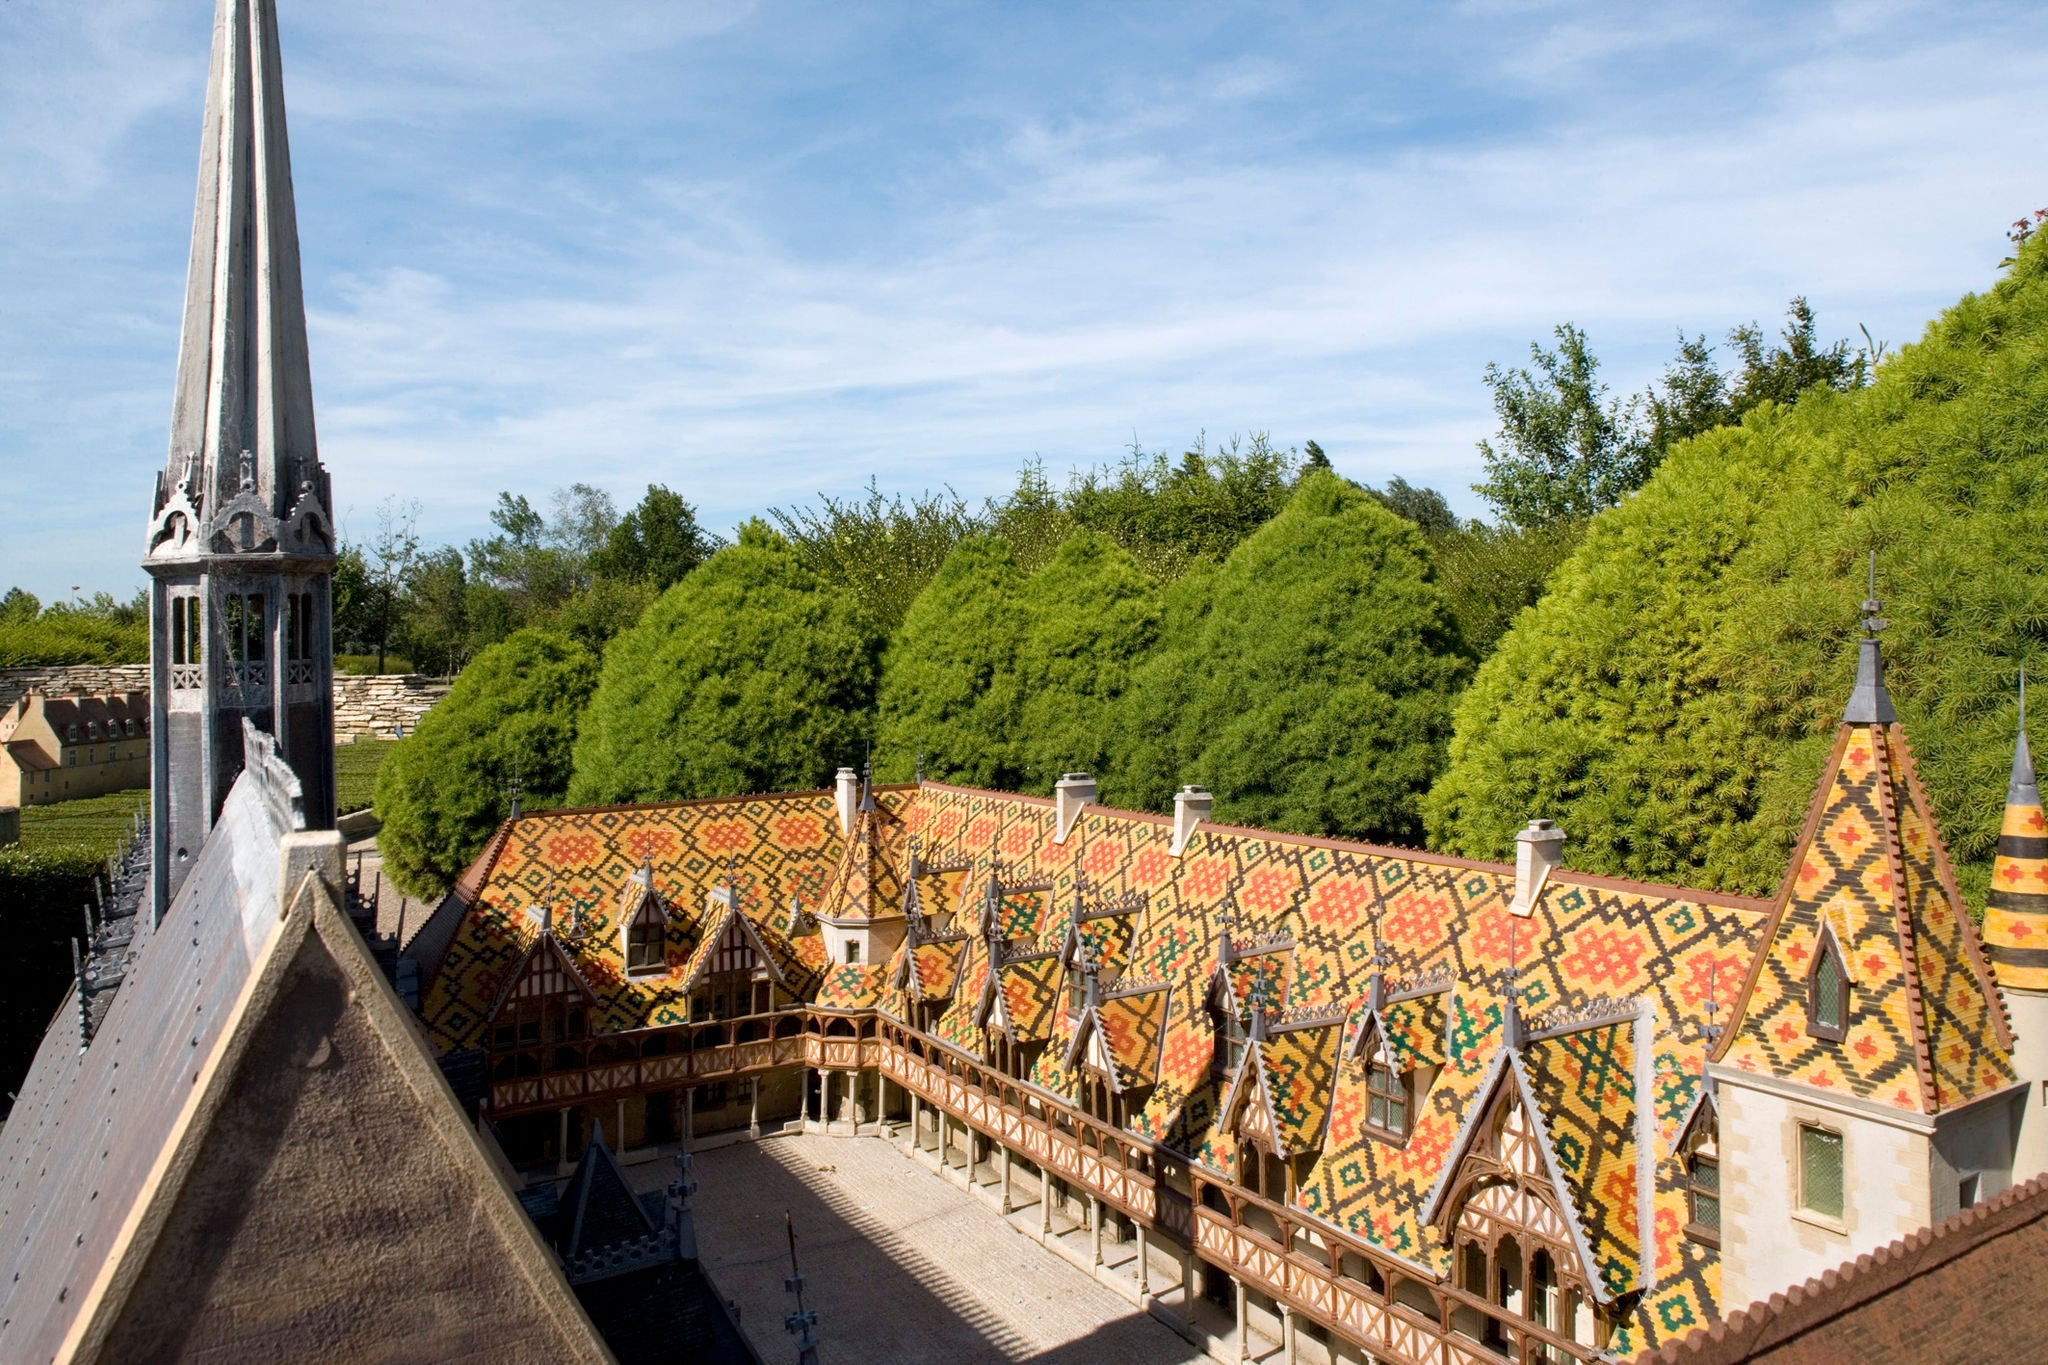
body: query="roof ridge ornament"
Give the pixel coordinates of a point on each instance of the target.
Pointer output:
(1870, 703)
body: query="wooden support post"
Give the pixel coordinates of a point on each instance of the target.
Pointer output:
(916, 1123)
(1044, 1203)
(1144, 1267)
(1288, 1340)
(1244, 1340)
(754, 1108)
(1187, 1283)
(1007, 1205)
(1095, 1225)
(689, 1116)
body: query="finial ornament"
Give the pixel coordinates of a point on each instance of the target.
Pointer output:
(1872, 622)
(1870, 703)
(248, 471)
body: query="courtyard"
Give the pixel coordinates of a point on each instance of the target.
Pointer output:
(903, 1266)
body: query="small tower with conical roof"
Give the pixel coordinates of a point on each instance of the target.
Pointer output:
(240, 548)
(2016, 933)
(1865, 1087)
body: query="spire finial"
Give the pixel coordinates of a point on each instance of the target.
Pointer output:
(1870, 703)
(2021, 791)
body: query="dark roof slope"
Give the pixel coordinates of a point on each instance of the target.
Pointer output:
(1967, 1290)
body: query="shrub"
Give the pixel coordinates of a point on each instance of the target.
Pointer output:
(444, 788)
(746, 676)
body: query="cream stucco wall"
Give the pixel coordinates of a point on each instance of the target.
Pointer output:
(1768, 1243)
(2029, 1012)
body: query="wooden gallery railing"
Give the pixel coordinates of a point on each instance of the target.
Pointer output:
(1392, 1309)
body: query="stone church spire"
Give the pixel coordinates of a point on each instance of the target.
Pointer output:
(240, 545)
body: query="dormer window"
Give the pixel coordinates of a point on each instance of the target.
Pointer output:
(1827, 992)
(1389, 1103)
(853, 952)
(1702, 1181)
(71, 734)
(92, 729)
(1230, 1041)
(647, 938)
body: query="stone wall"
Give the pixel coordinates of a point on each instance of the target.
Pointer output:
(373, 705)
(72, 680)
(362, 705)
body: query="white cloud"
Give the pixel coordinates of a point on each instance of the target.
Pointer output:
(936, 281)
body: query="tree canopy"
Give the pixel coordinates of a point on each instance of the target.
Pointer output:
(749, 675)
(1670, 700)
(446, 786)
(1308, 682)
(949, 682)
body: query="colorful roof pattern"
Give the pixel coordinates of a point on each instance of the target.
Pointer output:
(2016, 913)
(1924, 1030)
(1028, 993)
(935, 967)
(1132, 1023)
(1317, 930)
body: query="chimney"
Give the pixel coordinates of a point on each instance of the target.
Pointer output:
(846, 790)
(1191, 806)
(1071, 793)
(1539, 851)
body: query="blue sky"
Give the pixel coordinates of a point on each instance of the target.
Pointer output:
(762, 251)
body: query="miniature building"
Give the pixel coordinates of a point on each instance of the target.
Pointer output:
(62, 748)
(1509, 1105)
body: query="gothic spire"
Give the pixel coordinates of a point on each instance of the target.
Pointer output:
(242, 414)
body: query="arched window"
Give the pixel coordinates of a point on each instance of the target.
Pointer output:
(1827, 991)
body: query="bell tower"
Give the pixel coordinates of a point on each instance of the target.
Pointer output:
(241, 547)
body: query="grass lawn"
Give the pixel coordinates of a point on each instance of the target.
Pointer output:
(95, 822)
(355, 772)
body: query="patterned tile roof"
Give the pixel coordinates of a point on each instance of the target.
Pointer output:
(2016, 915)
(1924, 1030)
(1300, 926)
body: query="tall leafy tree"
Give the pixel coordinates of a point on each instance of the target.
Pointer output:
(657, 542)
(950, 688)
(1670, 700)
(1312, 690)
(446, 786)
(749, 675)
(1565, 449)
(1090, 615)
(878, 552)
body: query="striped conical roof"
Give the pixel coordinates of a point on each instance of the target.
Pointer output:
(2016, 915)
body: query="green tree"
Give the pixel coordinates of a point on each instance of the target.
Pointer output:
(656, 543)
(1670, 700)
(879, 552)
(950, 688)
(19, 606)
(1425, 507)
(445, 787)
(1090, 616)
(1490, 574)
(1314, 693)
(1565, 449)
(749, 675)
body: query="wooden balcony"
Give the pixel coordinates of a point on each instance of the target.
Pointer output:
(1396, 1310)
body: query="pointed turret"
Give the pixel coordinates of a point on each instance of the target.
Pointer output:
(241, 541)
(2016, 932)
(2016, 913)
(1869, 1009)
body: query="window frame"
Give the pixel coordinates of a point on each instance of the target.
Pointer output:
(1381, 1099)
(1803, 1195)
(1828, 957)
(1691, 1158)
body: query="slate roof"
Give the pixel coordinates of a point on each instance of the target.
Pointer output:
(254, 1152)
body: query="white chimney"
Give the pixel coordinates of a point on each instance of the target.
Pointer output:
(1539, 851)
(1070, 793)
(846, 791)
(1191, 806)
